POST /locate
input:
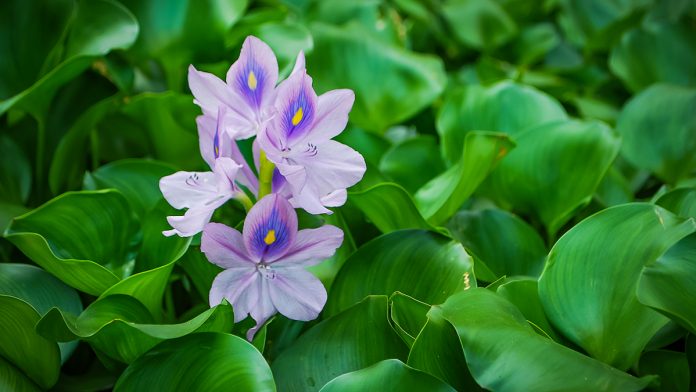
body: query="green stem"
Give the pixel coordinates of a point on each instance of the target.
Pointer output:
(265, 175)
(245, 200)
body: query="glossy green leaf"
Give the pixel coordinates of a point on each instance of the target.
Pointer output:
(504, 107)
(502, 244)
(122, 328)
(443, 195)
(389, 207)
(681, 201)
(524, 293)
(136, 179)
(200, 270)
(412, 162)
(658, 129)
(588, 287)
(671, 366)
(35, 356)
(201, 361)
(380, 74)
(495, 334)
(11, 379)
(422, 264)
(15, 173)
(669, 283)
(351, 340)
(71, 28)
(534, 179)
(661, 53)
(177, 33)
(156, 249)
(480, 24)
(387, 375)
(437, 351)
(82, 238)
(408, 316)
(42, 291)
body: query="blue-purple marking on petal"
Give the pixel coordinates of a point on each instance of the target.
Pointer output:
(250, 82)
(298, 116)
(273, 223)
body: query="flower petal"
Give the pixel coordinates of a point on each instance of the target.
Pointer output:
(209, 91)
(299, 63)
(192, 222)
(189, 189)
(263, 308)
(311, 247)
(226, 170)
(297, 294)
(332, 115)
(254, 75)
(239, 287)
(269, 228)
(331, 166)
(296, 106)
(224, 246)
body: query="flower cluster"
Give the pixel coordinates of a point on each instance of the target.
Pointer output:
(296, 164)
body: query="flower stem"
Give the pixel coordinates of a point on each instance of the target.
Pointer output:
(245, 200)
(265, 175)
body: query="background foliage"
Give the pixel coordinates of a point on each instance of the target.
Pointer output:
(526, 221)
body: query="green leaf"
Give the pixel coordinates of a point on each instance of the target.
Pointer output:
(11, 379)
(660, 53)
(671, 366)
(408, 316)
(37, 357)
(668, 284)
(681, 201)
(82, 238)
(381, 75)
(524, 293)
(200, 270)
(505, 354)
(177, 33)
(437, 351)
(201, 361)
(157, 250)
(84, 32)
(534, 178)
(351, 340)
(588, 287)
(387, 375)
(443, 195)
(504, 107)
(422, 264)
(15, 173)
(658, 130)
(136, 179)
(504, 244)
(42, 291)
(480, 24)
(412, 162)
(389, 207)
(123, 329)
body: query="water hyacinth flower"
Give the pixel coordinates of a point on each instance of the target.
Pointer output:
(248, 93)
(298, 141)
(265, 264)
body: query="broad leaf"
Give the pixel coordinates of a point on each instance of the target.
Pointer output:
(201, 361)
(82, 238)
(387, 375)
(412, 162)
(351, 340)
(588, 287)
(658, 129)
(422, 264)
(389, 207)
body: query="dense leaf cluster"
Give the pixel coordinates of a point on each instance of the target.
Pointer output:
(526, 221)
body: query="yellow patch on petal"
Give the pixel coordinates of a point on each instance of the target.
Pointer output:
(270, 237)
(297, 117)
(251, 80)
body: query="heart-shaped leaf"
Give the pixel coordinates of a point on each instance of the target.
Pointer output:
(387, 375)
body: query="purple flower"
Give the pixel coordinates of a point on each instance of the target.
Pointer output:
(248, 93)
(201, 193)
(298, 141)
(265, 265)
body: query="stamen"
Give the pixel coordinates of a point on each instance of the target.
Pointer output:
(270, 237)
(297, 117)
(251, 80)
